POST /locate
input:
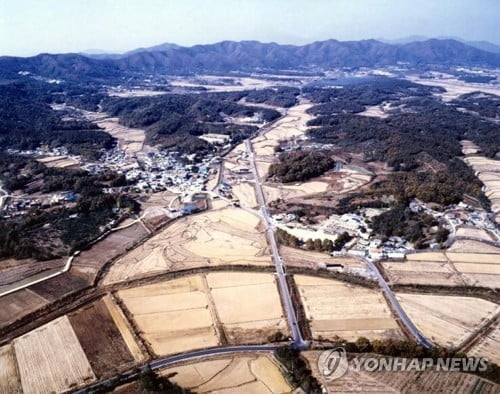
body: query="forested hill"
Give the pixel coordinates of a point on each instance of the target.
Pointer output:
(249, 56)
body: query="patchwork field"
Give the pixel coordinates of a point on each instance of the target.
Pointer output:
(469, 246)
(51, 359)
(248, 306)
(446, 320)
(236, 374)
(130, 140)
(488, 172)
(292, 125)
(455, 88)
(9, 377)
(201, 311)
(349, 312)
(172, 316)
(451, 268)
(220, 237)
(100, 339)
(274, 191)
(488, 346)
(59, 161)
(428, 381)
(475, 233)
(469, 147)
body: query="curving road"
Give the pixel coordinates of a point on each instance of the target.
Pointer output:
(397, 307)
(167, 361)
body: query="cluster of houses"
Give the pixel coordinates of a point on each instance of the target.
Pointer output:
(158, 171)
(19, 205)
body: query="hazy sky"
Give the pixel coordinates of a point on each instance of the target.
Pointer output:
(28, 27)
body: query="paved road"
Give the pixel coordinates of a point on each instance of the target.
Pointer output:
(397, 307)
(298, 341)
(167, 361)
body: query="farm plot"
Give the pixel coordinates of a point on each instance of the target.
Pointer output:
(172, 316)
(470, 246)
(227, 236)
(124, 327)
(481, 269)
(469, 147)
(488, 347)
(130, 140)
(90, 261)
(446, 320)
(238, 374)
(9, 377)
(450, 268)
(293, 125)
(428, 381)
(309, 259)
(59, 161)
(16, 305)
(51, 359)
(248, 306)
(245, 192)
(336, 309)
(488, 172)
(474, 232)
(100, 339)
(275, 191)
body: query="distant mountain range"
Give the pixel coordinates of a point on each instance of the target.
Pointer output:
(483, 45)
(250, 56)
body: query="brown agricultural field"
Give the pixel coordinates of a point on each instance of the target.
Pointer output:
(226, 236)
(51, 359)
(100, 339)
(451, 268)
(125, 328)
(235, 374)
(488, 346)
(447, 320)
(16, 305)
(9, 376)
(248, 306)
(172, 316)
(428, 381)
(335, 309)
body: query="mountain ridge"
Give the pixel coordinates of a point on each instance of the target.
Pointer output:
(228, 56)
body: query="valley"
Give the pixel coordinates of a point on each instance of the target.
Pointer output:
(198, 225)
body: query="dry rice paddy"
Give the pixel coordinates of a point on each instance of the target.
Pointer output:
(227, 236)
(446, 320)
(237, 374)
(172, 316)
(248, 305)
(488, 172)
(414, 381)
(452, 268)
(51, 359)
(338, 309)
(9, 377)
(197, 312)
(488, 347)
(245, 192)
